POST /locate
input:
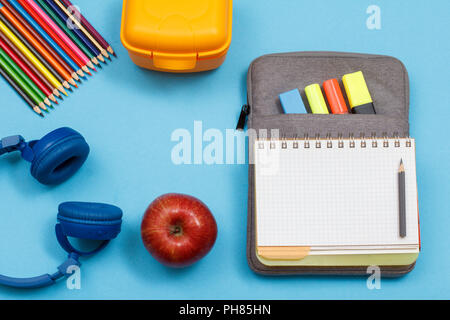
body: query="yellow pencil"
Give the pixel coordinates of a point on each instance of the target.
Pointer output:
(35, 61)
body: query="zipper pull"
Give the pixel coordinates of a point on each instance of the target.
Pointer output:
(245, 111)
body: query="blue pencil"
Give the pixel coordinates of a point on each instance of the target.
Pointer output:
(78, 33)
(45, 36)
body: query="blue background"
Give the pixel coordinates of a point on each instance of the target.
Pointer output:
(128, 114)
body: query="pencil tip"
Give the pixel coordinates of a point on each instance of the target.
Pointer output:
(401, 167)
(38, 111)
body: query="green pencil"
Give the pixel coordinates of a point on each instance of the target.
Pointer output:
(13, 70)
(67, 31)
(21, 92)
(25, 78)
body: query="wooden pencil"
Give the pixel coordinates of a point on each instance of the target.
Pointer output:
(36, 45)
(92, 49)
(20, 12)
(27, 71)
(70, 33)
(402, 200)
(6, 31)
(33, 50)
(28, 63)
(12, 14)
(21, 93)
(27, 80)
(80, 26)
(19, 81)
(54, 31)
(89, 27)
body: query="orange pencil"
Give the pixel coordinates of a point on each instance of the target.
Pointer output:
(37, 45)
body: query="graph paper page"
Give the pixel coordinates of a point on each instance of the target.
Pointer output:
(333, 196)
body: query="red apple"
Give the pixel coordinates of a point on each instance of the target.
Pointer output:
(178, 230)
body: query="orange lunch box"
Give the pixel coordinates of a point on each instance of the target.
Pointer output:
(177, 35)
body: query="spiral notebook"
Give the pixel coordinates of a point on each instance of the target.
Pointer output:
(334, 197)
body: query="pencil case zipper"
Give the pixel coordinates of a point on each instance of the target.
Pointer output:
(245, 111)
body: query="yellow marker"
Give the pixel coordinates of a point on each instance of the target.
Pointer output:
(358, 94)
(45, 72)
(316, 100)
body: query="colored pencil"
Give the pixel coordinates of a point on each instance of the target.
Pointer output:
(5, 30)
(28, 45)
(27, 71)
(61, 23)
(28, 63)
(21, 93)
(19, 81)
(75, 31)
(55, 32)
(12, 14)
(43, 52)
(20, 12)
(54, 37)
(17, 70)
(80, 26)
(89, 27)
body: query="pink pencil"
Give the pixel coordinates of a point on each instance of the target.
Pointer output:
(35, 7)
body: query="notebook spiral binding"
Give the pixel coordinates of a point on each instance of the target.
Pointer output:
(329, 142)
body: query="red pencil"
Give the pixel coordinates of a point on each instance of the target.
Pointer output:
(54, 36)
(44, 43)
(29, 64)
(27, 70)
(89, 27)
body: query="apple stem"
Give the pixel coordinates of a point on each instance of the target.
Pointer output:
(176, 230)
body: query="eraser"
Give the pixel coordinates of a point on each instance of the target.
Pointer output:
(358, 94)
(316, 100)
(292, 102)
(335, 97)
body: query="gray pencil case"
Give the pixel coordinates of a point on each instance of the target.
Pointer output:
(270, 75)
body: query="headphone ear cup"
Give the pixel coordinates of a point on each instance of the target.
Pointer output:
(92, 221)
(58, 156)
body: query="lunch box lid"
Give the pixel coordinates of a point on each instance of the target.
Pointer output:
(177, 29)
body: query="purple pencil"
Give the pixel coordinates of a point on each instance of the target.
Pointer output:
(89, 27)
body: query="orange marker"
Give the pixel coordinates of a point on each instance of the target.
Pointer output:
(335, 98)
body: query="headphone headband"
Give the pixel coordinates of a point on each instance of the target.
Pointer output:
(91, 221)
(44, 280)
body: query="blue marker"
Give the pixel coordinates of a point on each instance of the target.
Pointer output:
(292, 102)
(44, 35)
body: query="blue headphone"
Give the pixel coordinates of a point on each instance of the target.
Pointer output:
(54, 159)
